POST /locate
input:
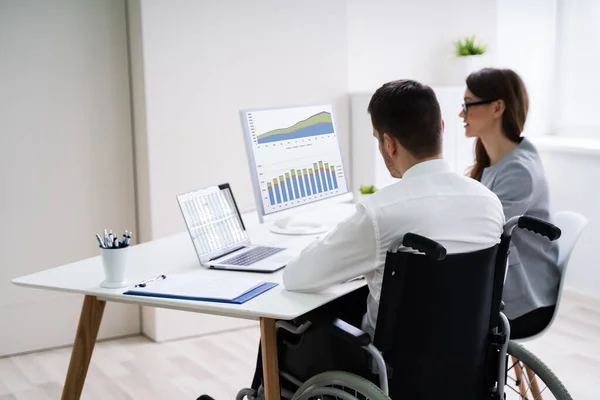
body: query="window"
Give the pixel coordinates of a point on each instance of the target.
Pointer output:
(578, 68)
(555, 46)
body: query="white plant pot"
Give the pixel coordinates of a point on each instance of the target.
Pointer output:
(462, 67)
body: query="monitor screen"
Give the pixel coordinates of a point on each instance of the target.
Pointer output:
(294, 156)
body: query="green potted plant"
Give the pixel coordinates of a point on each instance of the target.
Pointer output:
(467, 47)
(365, 191)
(470, 56)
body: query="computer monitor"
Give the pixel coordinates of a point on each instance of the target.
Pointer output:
(295, 161)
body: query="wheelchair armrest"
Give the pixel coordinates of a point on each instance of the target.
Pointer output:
(430, 248)
(539, 226)
(344, 330)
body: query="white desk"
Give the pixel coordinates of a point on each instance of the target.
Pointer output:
(175, 254)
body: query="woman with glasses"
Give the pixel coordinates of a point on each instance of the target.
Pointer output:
(494, 112)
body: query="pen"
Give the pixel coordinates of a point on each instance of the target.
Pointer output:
(129, 233)
(143, 284)
(100, 240)
(111, 240)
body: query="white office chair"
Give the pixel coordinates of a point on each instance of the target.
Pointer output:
(571, 225)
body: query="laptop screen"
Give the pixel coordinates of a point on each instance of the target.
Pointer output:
(213, 221)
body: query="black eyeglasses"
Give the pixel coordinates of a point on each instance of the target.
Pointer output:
(466, 106)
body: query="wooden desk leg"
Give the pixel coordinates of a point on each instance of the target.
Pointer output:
(520, 377)
(87, 331)
(268, 340)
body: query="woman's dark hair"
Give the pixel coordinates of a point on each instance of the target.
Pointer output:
(499, 84)
(408, 111)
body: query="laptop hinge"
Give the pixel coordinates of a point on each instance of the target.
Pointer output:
(226, 254)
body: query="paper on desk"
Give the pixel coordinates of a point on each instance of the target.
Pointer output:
(217, 286)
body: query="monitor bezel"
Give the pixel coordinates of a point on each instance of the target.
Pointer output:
(252, 161)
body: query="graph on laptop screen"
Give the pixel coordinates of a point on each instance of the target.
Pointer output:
(212, 220)
(295, 155)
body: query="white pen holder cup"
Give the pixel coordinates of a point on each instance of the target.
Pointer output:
(114, 261)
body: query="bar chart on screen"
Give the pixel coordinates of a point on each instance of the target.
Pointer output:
(296, 155)
(302, 183)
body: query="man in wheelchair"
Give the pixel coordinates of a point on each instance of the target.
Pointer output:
(430, 200)
(433, 250)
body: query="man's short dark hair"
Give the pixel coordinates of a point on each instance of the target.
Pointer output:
(408, 111)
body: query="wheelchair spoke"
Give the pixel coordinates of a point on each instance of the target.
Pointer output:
(542, 391)
(529, 388)
(513, 380)
(532, 392)
(533, 382)
(516, 391)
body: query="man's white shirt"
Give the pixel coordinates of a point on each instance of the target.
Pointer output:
(430, 200)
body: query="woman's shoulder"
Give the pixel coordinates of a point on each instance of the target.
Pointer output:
(527, 151)
(524, 169)
(518, 172)
(526, 160)
(523, 156)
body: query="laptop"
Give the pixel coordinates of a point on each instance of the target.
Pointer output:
(219, 236)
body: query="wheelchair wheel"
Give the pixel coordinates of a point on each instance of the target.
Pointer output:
(531, 379)
(339, 385)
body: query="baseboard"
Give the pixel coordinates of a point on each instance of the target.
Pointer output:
(200, 335)
(67, 345)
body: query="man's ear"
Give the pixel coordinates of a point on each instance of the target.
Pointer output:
(499, 107)
(389, 144)
(443, 126)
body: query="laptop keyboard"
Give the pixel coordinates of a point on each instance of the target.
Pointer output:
(253, 255)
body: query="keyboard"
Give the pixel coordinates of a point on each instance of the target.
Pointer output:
(252, 256)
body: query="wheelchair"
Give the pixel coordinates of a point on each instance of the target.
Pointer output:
(440, 334)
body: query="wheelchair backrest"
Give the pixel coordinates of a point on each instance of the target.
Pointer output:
(434, 321)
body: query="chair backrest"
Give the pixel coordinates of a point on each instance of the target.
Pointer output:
(571, 225)
(434, 319)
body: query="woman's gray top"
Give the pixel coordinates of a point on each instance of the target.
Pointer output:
(533, 275)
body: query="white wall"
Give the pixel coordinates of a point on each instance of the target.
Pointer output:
(573, 178)
(578, 63)
(65, 158)
(202, 62)
(526, 44)
(391, 39)
(138, 106)
(394, 39)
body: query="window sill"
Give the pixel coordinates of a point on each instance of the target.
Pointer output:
(567, 145)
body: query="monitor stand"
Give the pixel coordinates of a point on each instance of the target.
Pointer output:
(294, 226)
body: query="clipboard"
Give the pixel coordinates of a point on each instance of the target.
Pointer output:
(204, 287)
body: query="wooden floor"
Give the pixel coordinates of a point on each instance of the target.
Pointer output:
(221, 364)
